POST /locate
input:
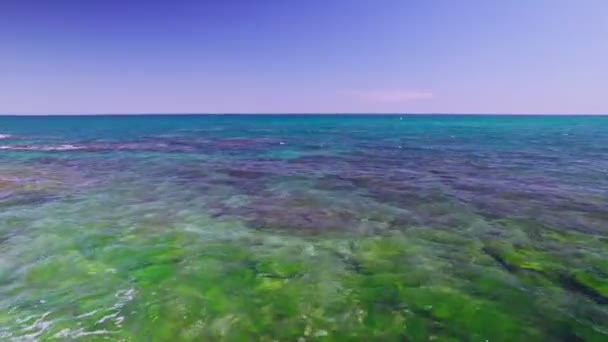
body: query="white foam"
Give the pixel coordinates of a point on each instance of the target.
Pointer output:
(44, 148)
(65, 147)
(73, 334)
(37, 328)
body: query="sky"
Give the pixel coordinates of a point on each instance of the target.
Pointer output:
(295, 56)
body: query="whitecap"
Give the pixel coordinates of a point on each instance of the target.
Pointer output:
(97, 147)
(65, 147)
(77, 333)
(43, 148)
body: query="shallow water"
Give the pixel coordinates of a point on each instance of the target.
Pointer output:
(295, 228)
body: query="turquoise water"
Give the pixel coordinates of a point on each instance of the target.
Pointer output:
(304, 228)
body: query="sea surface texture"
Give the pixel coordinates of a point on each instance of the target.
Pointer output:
(304, 228)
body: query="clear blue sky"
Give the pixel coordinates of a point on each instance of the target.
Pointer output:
(467, 56)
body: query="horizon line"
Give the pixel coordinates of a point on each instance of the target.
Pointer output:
(296, 113)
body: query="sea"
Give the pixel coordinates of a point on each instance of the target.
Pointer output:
(304, 228)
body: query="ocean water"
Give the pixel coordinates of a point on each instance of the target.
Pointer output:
(304, 228)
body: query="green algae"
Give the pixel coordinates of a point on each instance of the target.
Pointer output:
(594, 284)
(514, 259)
(413, 284)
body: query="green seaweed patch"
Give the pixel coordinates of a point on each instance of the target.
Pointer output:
(154, 273)
(592, 284)
(521, 258)
(467, 318)
(272, 267)
(382, 254)
(68, 269)
(142, 253)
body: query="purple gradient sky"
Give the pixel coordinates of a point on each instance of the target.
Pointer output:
(278, 56)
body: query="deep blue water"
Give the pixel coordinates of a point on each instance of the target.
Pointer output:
(503, 216)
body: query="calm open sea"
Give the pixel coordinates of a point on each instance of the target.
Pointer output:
(304, 228)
